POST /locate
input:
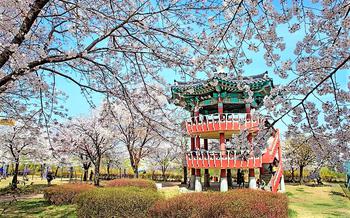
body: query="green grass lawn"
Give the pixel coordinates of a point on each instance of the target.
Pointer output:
(304, 201)
(35, 208)
(325, 201)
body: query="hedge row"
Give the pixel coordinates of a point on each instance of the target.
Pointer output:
(141, 183)
(65, 194)
(237, 203)
(139, 198)
(116, 202)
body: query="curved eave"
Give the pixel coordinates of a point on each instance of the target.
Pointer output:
(226, 85)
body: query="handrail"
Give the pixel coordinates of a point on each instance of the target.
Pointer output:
(206, 154)
(277, 173)
(215, 122)
(275, 178)
(275, 141)
(223, 117)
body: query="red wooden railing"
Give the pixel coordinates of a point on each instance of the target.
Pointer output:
(223, 122)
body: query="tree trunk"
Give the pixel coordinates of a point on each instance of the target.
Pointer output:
(7, 170)
(153, 175)
(97, 172)
(108, 168)
(42, 168)
(86, 167)
(56, 172)
(163, 174)
(70, 174)
(301, 169)
(293, 171)
(85, 176)
(185, 175)
(136, 171)
(15, 175)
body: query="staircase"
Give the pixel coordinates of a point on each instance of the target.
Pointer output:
(266, 177)
(271, 182)
(273, 151)
(276, 179)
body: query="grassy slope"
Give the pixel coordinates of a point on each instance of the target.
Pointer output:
(330, 201)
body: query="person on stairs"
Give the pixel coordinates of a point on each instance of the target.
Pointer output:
(274, 166)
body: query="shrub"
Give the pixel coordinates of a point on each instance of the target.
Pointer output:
(170, 177)
(116, 202)
(141, 183)
(329, 175)
(236, 203)
(65, 194)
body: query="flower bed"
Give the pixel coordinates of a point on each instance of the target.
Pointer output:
(140, 183)
(65, 194)
(116, 202)
(236, 203)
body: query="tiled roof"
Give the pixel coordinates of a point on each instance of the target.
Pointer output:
(230, 84)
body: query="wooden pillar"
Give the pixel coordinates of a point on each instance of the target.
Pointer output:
(205, 144)
(223, 177)
(220, 107)
(198, 184)
(261, 172)
(222, 144)
(223, 181)
(192, 149)
(198, 147)
(223, 173)
(251, 173)
(229, 178)
(198, 172)
(198, 143)
(222, 135)
(252, 180)
(247, 110)
(206, 171)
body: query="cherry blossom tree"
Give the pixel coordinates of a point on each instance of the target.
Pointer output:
(66, 152)
(112, 158)
(20, 142)
(163, 158)
(299, 152)
(43, 42)
(140, 121)
(289, 159)
(136, 136)
(90, 139)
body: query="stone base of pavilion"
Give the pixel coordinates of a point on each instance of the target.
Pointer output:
(215, 186)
